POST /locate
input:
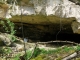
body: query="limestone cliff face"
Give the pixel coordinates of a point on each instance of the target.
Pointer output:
(40, 26)
(62, 8)
(3, 10)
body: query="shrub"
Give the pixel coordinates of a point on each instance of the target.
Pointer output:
(9, 28)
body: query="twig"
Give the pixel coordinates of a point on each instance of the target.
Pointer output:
(73, 55)
(58, 41)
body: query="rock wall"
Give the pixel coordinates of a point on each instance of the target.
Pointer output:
(61, 8)
(3, 10)
(39, 27)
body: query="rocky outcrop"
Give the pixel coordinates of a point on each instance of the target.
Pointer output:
(61, 8)
(46, 24)
(5, 39)
(3, 10)
(40, 27)
(77, 2)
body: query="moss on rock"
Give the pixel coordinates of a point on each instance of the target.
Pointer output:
(41, 19)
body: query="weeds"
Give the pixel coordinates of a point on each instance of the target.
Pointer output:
(78, 48)
(9, 28)
(43, 54)
(6, 50)
(17, 57)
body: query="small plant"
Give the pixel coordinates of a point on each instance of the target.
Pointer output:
(5, 50)
(37, 51)
(41, 54)
(9, 28)
(28, 54)
(78, 48)
(17, 57)
(31, 54)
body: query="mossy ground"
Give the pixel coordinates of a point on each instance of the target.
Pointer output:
(57, 54)
(43, 54)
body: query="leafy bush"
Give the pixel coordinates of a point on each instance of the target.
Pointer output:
(9, 28)
(17, 57)
(5, 50)
(31, 54)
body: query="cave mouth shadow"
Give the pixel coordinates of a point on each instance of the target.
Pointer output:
(52, 37)
(62, 37)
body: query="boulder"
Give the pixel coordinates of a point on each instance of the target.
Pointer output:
(5, 38)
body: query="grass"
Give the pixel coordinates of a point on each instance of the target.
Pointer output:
(17, 57)
(59, 53)
(43, 54)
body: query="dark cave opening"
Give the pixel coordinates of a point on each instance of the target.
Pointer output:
(62, 37)
(35, 34)
(53, 37)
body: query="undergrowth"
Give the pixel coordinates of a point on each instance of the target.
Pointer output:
(43, 54)
(5, 50)
(8, 26)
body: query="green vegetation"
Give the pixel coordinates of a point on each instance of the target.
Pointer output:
(17, 57)
(9, 28)
(42, 54)
(78, 48)
(5, 50)
(58, 53)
